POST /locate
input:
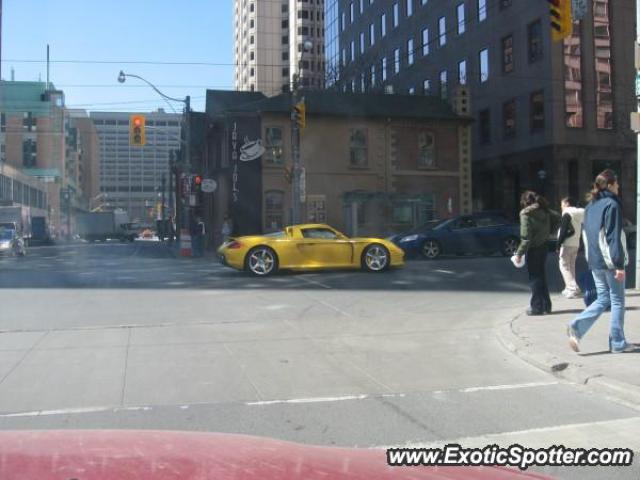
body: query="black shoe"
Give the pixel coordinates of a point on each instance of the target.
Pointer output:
(534, 313)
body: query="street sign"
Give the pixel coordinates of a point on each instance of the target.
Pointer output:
(208, 185)
(303, 184)
(579, 8)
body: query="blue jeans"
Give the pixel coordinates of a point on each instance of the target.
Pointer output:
(610, 293)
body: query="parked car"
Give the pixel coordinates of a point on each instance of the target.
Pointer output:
(467, 234)
(308, 247)
(11, 243)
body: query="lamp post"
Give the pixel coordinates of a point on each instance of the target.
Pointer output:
(122, 76)
(296, 201)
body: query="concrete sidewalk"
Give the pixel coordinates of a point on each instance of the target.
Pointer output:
(542, 342)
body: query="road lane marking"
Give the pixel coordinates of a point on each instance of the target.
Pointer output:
(445, 271)
(341, 398)
(315, 282)
(507, 387)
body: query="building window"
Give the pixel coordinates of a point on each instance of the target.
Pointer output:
(344, 21)
(484, 65)
(426, 87)
(361, 6)
(362, 42)
(444, 88)
(373, 76)
(534, 41)
(383, 25)
(484, 126)
(507, 54)
(505, 4)
(274, 145)
(384, 69)
(353, 50)
(358, 148)
(285, 40)
(509, 118)
(372, 34)
(482, 10)
(351, 13)
(274, 210)
(425, 41)
(316, 208)
(604, 68)
(396, 14)
(29, 153)
(396, 60)
(28, 122)
(462, 72)
(410, 51)
(3, 122)
(461, 22)
(442, 31)
(573, 106)
(536, 108)
(409, 8)
(426, 150)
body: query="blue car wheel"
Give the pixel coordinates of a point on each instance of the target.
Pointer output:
(431, 249)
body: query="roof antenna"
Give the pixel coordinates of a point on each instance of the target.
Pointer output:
(47, 66)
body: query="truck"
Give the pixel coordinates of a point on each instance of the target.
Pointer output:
(40, 233)
(101, 226)
(17, 217)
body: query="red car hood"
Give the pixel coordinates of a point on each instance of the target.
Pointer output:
(160, 455)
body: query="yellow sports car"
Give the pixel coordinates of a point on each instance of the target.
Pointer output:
(308, 247)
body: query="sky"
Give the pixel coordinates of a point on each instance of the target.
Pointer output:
(134, 35)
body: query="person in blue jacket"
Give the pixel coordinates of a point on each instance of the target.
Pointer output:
(605, 248)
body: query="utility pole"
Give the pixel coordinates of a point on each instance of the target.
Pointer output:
(163, 183)
(296, 190)
(186, 221)
(637, 62)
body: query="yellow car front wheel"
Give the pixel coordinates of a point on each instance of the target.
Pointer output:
(261, 261)
(375, 258)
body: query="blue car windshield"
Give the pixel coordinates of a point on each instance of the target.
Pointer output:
(6, 235)
(433, 224)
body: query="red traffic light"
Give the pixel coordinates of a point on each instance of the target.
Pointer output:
(137, 121)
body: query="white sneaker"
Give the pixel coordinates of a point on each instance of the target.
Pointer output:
(571, 295)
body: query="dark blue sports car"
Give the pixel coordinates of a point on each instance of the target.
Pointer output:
(478, 233)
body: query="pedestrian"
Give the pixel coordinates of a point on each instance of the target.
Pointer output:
(227, 228)
(198, 237)
(171, 226)
(537, 222)
(606, 251)
(569, 244)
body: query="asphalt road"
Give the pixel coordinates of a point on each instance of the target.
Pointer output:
(127, 336)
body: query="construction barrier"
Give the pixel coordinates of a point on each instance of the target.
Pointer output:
(185, 243)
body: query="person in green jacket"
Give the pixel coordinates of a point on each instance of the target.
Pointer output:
(537, 222)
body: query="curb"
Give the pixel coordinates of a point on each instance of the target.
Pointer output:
(563, 369)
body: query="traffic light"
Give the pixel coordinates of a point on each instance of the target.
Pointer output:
(137, 135)
(561, 21)
(197, 183)
(300, 113)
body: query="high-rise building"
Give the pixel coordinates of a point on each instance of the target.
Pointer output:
(275, 40)
(131, 176)
(548, 115)
(88, 154)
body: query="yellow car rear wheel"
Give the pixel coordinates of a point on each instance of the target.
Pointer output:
(261, 261)
(375, 258)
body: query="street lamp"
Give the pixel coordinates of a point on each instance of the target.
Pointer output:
(122, 76)
(296, 204)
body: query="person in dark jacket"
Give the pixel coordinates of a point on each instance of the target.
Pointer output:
(605, 248)
(537, 222)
